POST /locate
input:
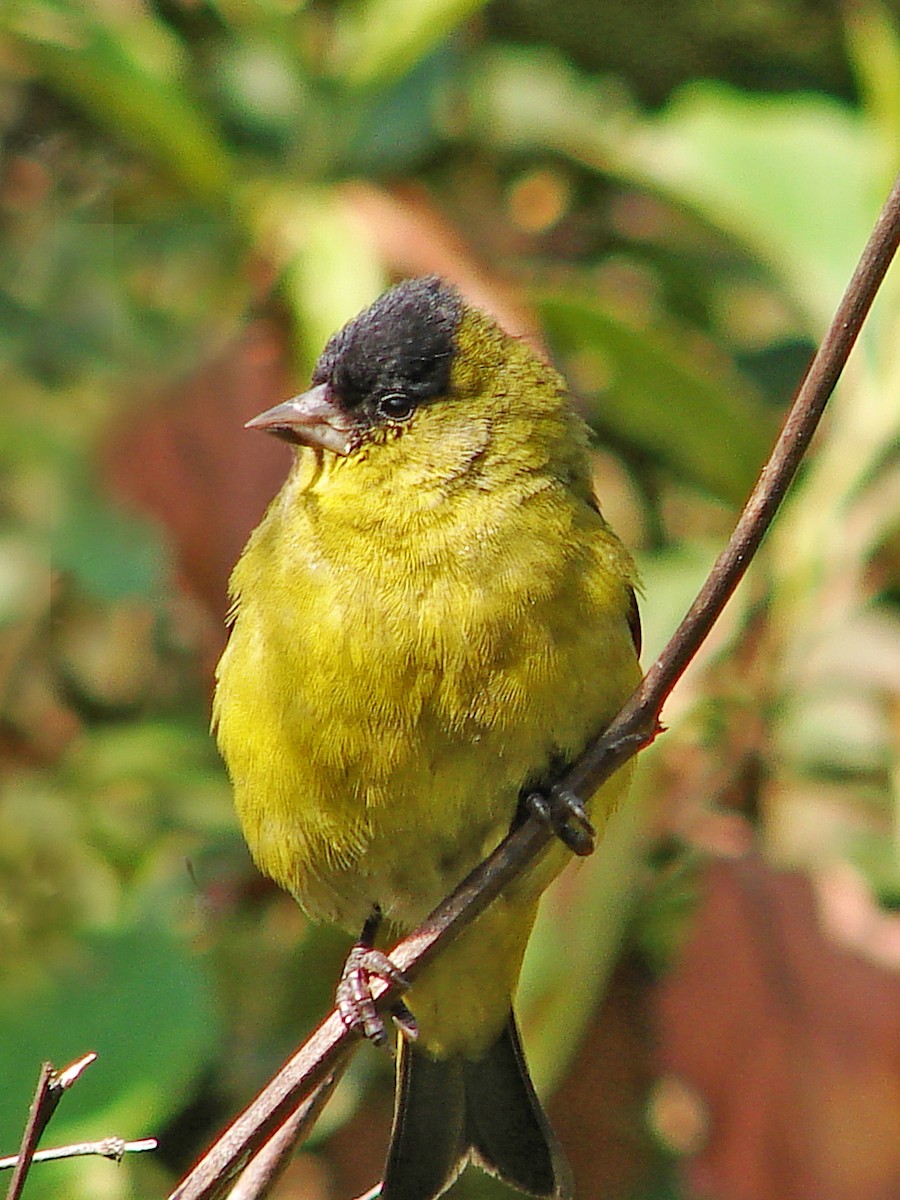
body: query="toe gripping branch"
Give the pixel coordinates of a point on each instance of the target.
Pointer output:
(354, 998)
(564, 812)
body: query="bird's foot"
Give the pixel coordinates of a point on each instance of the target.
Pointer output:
(404, 1020)
(562, 810)
(355, 1001)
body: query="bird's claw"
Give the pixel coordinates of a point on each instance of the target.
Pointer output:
(355, 1001)
(404, 1020)
(562, 810)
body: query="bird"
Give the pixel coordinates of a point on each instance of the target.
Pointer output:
(431, 620)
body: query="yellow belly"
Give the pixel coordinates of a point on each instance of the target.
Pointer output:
(380, 719)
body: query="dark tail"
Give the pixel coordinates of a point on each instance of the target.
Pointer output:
(451, 1110)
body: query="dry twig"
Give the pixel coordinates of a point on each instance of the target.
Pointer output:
(51, 1086)
(110, 1147)
(267, 1166)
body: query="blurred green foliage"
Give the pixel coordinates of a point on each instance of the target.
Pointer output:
(172, 170)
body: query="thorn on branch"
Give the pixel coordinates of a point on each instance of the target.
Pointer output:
(72, 1073)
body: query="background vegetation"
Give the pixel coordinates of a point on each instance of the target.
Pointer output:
(668, 197)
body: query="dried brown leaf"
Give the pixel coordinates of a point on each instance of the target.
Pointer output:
(791, 1042)
(189, 463)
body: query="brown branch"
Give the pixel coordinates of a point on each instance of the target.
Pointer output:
(326, 1047)
(635, 727)
(267, 1166)
(51, 1086)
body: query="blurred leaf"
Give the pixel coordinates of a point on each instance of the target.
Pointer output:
(94, 296)
(24, 579)
(112, 554)
(107, 655)
(670, 580)
(53, 882)
(174, 758)
(124, 73)
(334, 270)
(873, 42)
(525, 98)
(797, 180)
(576, 938)
(690, 415)
(146, 783)
(139, 1000)
(377, 41)
(263, 90)
(788, 1044)
(403, 122)
(833, 731)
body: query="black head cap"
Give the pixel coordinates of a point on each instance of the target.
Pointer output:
(402, 344)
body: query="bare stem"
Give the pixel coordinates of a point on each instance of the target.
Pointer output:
(111, 1147)
(639, 719)
(268, 1165)
(51, 1086)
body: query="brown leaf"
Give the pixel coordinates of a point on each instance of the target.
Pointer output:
(789, 1041)
(190, 464)
(596, 1112)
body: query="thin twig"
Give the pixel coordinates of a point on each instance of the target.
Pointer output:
(635, 727)
(111, 1147)
(640, 715)
(51, 1086)
(326, 1047)
(268, 1165)
(34, 1127)
(372, 1194)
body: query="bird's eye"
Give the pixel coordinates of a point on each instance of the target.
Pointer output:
(395, 407)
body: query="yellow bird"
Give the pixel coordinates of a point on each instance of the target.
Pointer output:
(430, 621)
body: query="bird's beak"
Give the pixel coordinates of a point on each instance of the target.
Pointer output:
(313, 418)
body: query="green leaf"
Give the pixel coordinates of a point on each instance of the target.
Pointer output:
(126, 75)
(694, 416)
(379, 40)
(333, 269)
(574, 945)
(873, 45)
(113, 555)
(140, 1001)
(796, 180)
(671, 577)
(403, 123)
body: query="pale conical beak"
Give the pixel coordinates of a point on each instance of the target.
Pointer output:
(313, 418)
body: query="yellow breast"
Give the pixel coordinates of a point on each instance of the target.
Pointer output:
(391, 685)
